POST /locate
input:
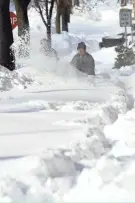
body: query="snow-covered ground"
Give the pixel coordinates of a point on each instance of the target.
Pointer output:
(65, 136)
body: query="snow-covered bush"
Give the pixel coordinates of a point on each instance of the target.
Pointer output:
(125, 57)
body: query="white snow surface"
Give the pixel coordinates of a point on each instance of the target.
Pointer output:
(65, 136)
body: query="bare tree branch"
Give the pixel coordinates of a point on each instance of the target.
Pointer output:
(51, 9)
(37, 4)
(45, 9)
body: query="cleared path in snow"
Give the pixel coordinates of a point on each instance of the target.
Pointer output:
(28, 133)
(23, 131)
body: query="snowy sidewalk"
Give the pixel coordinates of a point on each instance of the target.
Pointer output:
(68, 138)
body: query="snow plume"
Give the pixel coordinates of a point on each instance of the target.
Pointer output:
(9, 80)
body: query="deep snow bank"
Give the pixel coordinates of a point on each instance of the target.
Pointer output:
(123, 133)
(114, 173)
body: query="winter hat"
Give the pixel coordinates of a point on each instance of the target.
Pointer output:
(81, 45)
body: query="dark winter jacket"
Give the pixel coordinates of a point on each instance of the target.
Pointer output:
(84, 63)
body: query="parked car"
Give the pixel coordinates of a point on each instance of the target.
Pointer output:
(112, 41)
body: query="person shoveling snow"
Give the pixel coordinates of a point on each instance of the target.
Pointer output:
(83, 61)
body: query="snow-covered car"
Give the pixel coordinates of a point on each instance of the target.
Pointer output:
(111, 41)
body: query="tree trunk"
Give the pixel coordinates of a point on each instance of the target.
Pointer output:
(6, 36)
(23, 25)
(76, 3)
(49, 31)
(68, 15)
(22, 16)
(58, 15)
(65, 19)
